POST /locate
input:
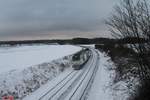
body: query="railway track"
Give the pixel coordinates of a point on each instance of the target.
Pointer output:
(76, 84)
(80, 94)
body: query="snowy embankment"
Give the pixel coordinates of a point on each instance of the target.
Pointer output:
(26, 68)
(100, 89)
(93, 82)
(103, 87)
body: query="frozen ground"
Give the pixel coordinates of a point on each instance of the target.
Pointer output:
(20, 57)
(56, 80)
(103, 87)
(100, 89)
(26, 68)
(93, 82)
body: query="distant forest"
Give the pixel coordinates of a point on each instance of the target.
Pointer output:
(128, 40)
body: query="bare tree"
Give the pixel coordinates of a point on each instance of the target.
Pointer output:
(132, 19)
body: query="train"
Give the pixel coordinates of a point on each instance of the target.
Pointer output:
(81, 58)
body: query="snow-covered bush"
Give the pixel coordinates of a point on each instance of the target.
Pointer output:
(20, 83)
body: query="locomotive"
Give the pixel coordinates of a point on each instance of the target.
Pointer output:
(81, 58)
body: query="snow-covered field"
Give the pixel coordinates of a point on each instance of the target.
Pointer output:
(21, 57)
(45, 71)
(26, 68)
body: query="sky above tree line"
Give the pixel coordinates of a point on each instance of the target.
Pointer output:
(52, 19)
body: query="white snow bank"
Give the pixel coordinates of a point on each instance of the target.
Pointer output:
(99, 90)
(20, 57)
(103, 87)
(20, 83)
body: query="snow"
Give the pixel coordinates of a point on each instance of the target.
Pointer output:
(61, 85)
(88, 45)
(103, 87)
(33, 66)
(20, 57)
(99, 90)
(44, 89)
(78, 80)
(77, 83)
(39, 66)
(28, 80)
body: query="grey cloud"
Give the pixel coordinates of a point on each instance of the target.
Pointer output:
(40, 16)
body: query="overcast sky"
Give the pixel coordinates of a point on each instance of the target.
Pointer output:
(38, 19)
